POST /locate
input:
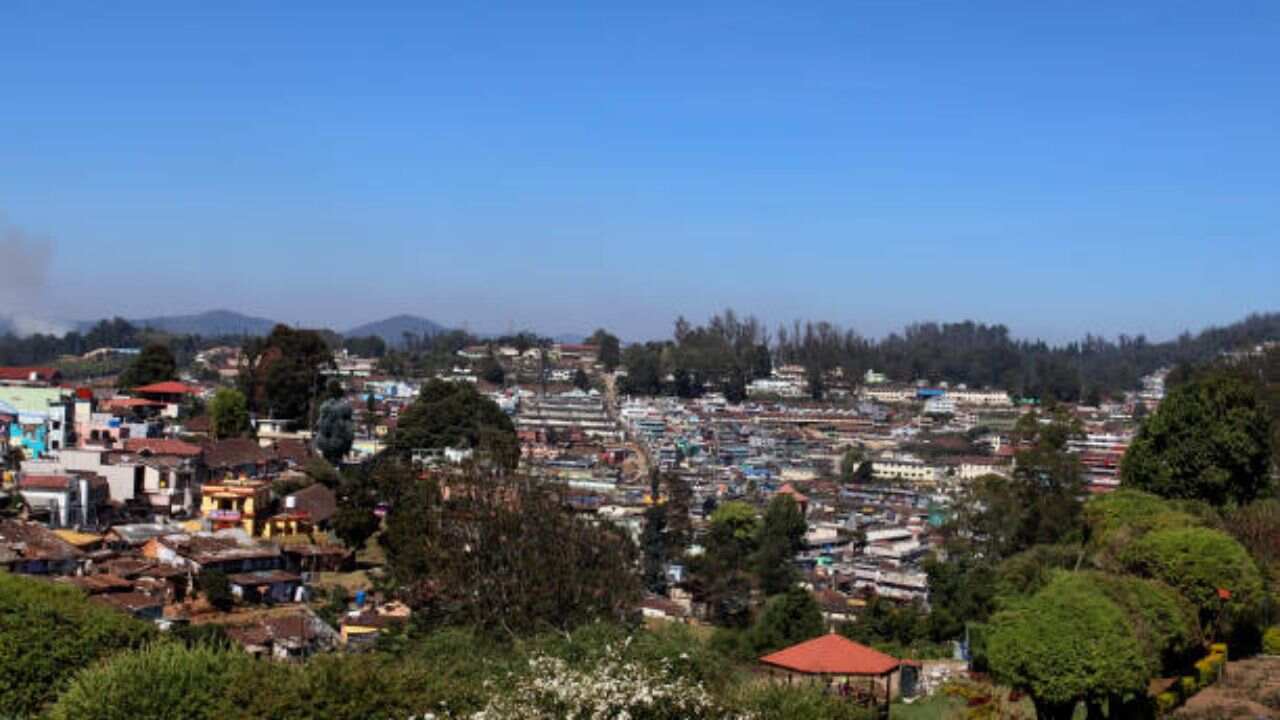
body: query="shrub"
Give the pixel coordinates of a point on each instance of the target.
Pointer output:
(1164, 623)
(1067, 643)
(614, 686)
(781, 702)
(1187, 686)
(49, 632)
(165, 681)
(1207, 669)
(1166, 702)
(1199, 562)
(1271, 640)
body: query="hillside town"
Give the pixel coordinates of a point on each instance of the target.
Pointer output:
(199, 496)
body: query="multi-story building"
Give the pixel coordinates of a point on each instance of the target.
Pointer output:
(239, 502)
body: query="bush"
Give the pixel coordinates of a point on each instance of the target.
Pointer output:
(1166, 702)
(612, 687)
(1067, 643)
(1271, 640)
(1187, 686)
(1208, 668)
(165, 681)
(49, 632)
(781, 702)
(1198, 563)
(1164, 623)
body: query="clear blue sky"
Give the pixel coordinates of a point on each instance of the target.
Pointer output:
(1057, 166)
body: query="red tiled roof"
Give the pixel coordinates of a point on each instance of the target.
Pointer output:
(42, 374)
(832, 654)
(169, 387)
(162, 446)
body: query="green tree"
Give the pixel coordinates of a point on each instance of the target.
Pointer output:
(281, 376)
(1210, 440)
(961, 589)
(735, 387)
(608, 349)
(817, 385)
(228, 414)
(787, 619)
(852, 460)
(1257, 527)
(449, 415)
(354, 525)
(1201, 564)
(335, 430)
(505, 554)
(581, 381)
(491, 371)
(154, 364)
(1068, 644)
(644, 369)
(781, 536)
(653, 543)
(720, 575)
(217, 589)
(1164, 622)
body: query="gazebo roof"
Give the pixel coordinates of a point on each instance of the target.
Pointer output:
(832, 654)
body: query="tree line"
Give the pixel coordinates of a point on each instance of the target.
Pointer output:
(729, 351)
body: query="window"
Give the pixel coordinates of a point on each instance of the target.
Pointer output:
(164, 479)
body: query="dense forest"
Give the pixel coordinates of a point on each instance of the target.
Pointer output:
(980, 355)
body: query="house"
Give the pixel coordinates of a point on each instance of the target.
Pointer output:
(360, 629)
(173, 472)
(138, 604)
(239, 456)
(44, 418)
(32, 376)
(239, 503)
(170, 392)
(68, 500)
(267, 586)
(287, 637)
(31, 549)
(229, 552)
(837, 609)
(305, 510)
(162, 476)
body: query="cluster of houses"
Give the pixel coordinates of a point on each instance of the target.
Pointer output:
(127, 498)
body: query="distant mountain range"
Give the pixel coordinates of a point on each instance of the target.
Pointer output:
(216, 323)
(209, 324)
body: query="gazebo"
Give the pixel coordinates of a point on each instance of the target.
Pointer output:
(834, 656)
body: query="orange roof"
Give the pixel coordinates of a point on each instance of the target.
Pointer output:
(168, 387)
(832, 654)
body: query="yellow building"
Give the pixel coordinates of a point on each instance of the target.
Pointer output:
(239, 502)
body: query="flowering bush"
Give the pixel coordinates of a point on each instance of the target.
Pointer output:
(613, 688)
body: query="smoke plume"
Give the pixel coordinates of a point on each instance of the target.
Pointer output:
(24, 278)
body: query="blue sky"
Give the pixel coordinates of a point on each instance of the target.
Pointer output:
(1056, 166)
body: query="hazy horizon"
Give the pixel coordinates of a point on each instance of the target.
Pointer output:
(561, 168)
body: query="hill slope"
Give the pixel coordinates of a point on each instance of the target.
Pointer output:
(392, 329)
(209, 324)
